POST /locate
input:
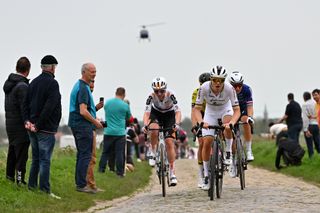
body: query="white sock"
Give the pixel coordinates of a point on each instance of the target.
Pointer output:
(248, 145)
(229, 144)
(201, 171)
(205, 168)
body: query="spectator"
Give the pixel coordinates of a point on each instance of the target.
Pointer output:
(91, 183)
(15, 89)
(131, 138)
(82, 120)
(42, 114)
(116, 113)
(316, 97)
(293, 118)
(290, 151)
(278, 130)
(310, 124)
(137, 148)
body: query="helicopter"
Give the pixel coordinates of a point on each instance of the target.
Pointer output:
(144, 33)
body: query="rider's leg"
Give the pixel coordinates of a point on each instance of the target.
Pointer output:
(207, 140)
(228, 133)
(171, 152)
(154, 136)
(247, 138)
(200, 161)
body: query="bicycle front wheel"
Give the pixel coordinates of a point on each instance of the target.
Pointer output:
(213, 169)
(219, 171)
(162, 169)
(240, 163)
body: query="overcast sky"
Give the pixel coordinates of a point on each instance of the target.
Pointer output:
(274, 43)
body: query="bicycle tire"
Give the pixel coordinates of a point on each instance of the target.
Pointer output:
(162, 169)
(213, 169)
(240, 163)
(219, 172)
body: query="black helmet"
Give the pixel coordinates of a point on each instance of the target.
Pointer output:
(204, 77)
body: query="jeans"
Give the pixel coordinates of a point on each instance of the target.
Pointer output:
(42, 146)
(294, 132)
(314, 130)
(83, 139)
(113, 144)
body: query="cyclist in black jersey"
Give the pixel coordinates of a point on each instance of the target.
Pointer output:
(162, 108)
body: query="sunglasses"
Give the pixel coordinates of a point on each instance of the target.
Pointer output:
(237, 85)
(218, 80)
(161, 91)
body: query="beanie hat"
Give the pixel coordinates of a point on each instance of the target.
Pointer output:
(49, 59)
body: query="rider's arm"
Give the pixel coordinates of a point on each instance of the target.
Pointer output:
(250, 110)
(178, 117)
(146, 115)
(197, 113)
(236, 114)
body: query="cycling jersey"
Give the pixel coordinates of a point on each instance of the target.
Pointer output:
(169, 102)
(217, 106)
(213, 101)
(245, 99)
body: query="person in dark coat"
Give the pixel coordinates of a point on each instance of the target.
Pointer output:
(42, 114)
(15, 89)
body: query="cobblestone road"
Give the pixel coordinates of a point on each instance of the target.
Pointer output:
(265, 192)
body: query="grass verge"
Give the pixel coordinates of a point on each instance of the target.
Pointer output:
(20, 199)
(265, 154)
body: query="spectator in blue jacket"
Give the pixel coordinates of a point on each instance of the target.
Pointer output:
(82, 120)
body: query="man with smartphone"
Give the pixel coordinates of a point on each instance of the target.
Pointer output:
(82, 120)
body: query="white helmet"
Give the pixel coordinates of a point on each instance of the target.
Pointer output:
(236, 78)
(218, 72)
(159, 83)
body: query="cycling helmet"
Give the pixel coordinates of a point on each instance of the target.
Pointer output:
(236, 78)
(204, 77)
(159, 83)
(218, 72)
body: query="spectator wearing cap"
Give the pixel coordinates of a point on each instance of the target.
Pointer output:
(117, 112)
(42, 114)
(82, 121)
(15, 89)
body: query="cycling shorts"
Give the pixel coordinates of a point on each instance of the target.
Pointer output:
(212, 118)
(167, 119)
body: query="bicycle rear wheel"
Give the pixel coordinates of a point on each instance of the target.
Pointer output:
(213, 169)
(240, 163)
(219, 171)
(162, 169)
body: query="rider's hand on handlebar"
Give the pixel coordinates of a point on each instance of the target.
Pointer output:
(145, 129)
(176, 127)
(250, 120)
(228, 125)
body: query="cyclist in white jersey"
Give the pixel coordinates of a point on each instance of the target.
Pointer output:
(221, 103)
(162, 107)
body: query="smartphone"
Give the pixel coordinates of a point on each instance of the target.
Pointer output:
(103, 123)
(101, 99)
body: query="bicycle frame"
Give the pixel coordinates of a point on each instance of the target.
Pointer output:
(216, 166)
(162, 163)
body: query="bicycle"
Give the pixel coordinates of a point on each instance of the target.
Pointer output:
(216, 164)
(240, 162)
(162, 163)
